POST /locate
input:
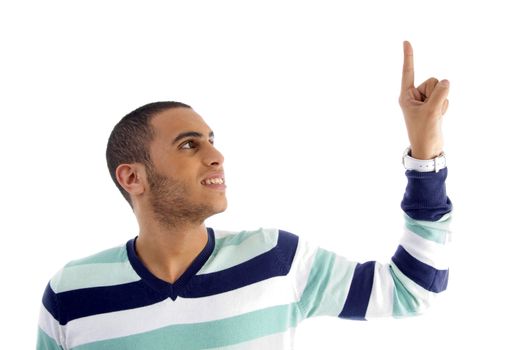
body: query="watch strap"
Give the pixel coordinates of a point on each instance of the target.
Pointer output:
(421, 165)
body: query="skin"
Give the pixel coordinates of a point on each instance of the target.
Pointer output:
(169, 201)
(423, 108)
(171, 204)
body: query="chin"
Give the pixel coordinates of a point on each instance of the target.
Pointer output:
(221, 208)
(215, 211)
(217, 207)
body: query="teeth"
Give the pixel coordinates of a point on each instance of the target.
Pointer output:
(215, 181)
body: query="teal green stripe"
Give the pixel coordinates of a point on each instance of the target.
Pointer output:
(339, 285)
(267, 236)
(45, 342)
(113, 255)
(317, 283)
(327, 286)
(93, 275)
(238, 248)
(205, 335)
(436, 231)
(404, 302)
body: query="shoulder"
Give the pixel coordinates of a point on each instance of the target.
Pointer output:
(107, 267)
(263, 238)
(235, 237)
(234, 248)
(111, 255)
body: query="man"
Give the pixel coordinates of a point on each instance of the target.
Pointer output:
(182, 285)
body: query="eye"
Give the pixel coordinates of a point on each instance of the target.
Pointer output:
(188, 145)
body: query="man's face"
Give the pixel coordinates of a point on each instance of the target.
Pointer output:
(186, 182)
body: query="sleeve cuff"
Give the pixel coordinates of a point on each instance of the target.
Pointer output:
(425, 196)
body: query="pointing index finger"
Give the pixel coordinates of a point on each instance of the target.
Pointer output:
(408, 73)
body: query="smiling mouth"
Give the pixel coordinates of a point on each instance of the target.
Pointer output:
(213, 181)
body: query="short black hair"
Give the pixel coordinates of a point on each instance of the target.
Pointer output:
(130, 139)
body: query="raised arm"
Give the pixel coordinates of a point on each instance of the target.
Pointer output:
(418, 270)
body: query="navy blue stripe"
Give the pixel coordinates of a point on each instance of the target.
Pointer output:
(163, 287)
(49, 300)
(147, 291)
(85, 302)
(275, 262)
(425, 196)
(424, 275)
(93, 301)
(359, 294)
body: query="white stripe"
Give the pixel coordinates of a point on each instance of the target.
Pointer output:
(381, 300)
(301, 265)
(283, 341)
(428, 252)
(267, 293)
(50, 326)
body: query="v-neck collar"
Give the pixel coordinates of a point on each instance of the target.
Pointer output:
(165, 288)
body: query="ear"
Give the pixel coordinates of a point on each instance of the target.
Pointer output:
(132, 177)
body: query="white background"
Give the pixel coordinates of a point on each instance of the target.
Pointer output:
(303, 98)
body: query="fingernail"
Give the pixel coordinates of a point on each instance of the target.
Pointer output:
(445, 82)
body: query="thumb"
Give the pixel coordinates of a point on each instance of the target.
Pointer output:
(439, 94)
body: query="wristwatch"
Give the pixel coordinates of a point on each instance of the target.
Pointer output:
(434, 164)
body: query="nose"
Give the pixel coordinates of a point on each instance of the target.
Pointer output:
(213, 157)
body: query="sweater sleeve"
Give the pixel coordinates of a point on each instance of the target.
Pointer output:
(50, 333)
(404, 286)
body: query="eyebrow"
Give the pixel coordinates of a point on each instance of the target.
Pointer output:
(190, 134)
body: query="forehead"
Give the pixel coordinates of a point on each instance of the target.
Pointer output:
(173, 121)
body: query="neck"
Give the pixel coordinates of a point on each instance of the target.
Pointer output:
(167, 252)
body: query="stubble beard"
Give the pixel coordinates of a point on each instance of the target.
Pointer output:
(171, 204)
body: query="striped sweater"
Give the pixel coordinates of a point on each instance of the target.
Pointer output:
(248, 289)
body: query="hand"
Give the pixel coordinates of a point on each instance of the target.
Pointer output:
(423, 108)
